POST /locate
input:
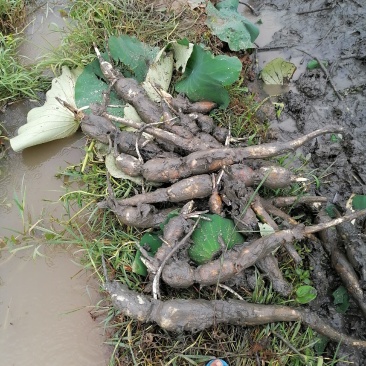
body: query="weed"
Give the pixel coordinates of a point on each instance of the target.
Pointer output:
(241, 115)
(17, 81)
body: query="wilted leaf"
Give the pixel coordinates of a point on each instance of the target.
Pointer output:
(230, 26)
(206, 76)
(193, 4)
(113, 170)
(182, 52)
(206, 241)
(89, 89)
(265, 229)
(305, 294)
(137, 56)
(52, 121)
(278, 71)
(159, 75)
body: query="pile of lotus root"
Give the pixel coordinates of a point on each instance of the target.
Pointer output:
(187, 164)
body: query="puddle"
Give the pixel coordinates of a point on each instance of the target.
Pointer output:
(44, 302)
(33, 172)
(44, 313)
(43, 31)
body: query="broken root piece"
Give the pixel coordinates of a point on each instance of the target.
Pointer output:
(194, 315)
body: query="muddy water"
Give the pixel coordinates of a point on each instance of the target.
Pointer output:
(44, 30)
(44, 302)
(44, 313)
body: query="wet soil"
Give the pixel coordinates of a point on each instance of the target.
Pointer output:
(337, 35)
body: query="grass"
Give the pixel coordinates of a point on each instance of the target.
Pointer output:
(16, 80)
(98, 233)
(241, 115)
(12, 16)
(96, 20)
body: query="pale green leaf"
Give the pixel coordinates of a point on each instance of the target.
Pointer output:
(113, 170)
(52, 121)
(159, 75)
(278, 71)
(131, 113)
(265, 229)
(182, 53)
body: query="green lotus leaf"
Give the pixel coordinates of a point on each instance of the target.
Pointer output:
(207, 75)
(206, 242)
(278, 72)
(230, 26)
(52, 121)
(90, 86)
(151, 243)
(137, 56)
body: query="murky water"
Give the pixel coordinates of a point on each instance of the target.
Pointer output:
(44, 302)
(44, 313)
(44, 30)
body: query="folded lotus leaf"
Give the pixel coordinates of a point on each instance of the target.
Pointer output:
(52, 121)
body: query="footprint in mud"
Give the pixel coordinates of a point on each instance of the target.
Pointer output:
(312, 83)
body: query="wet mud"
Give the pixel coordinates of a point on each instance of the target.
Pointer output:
(336, 35)
(335, 32)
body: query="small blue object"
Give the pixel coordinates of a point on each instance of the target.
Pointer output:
(222, 362)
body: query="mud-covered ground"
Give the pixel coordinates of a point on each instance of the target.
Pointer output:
(336, 34)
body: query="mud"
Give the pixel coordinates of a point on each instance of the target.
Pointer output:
(335, 35)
